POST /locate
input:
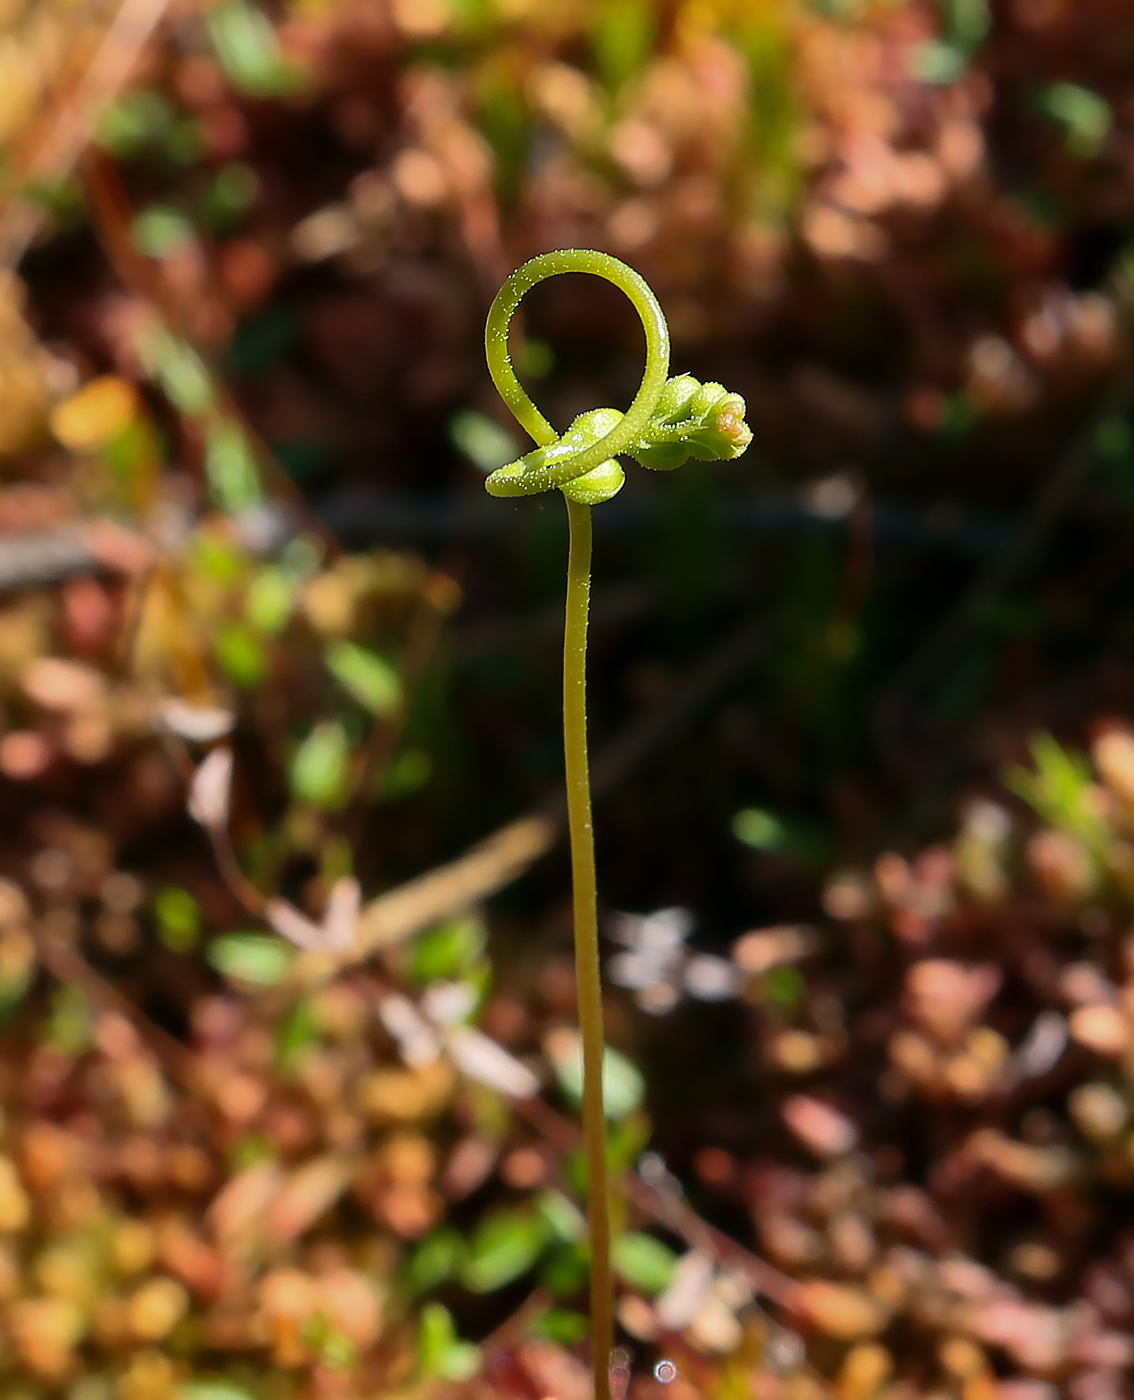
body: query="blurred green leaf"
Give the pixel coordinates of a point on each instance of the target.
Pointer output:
(336, 1350)
(241, 654)
(180, 371)
(131, 457)
(231, 467)
(959, 691)
(251, 1150)
(434, 1261)
(799, 841)
(1085, 115)
(623, 1087)
(1061, 789)
(622, 36)
(255, 958)
(446, 951)
(785, 987)
(218, 557)
(186, 143)
(967, 22)
(440, 1352)
(368, 677)
(161, 230)
(562, 1216)
(270, 600)
(319, 768)
(137, 119)
(1114, 442)
(61, 197)
(302, 556)
(643, 1262)
(503, 118)
(960, 417)
(409, 769)
(837, 9)
(249, 51)
(563, 1325)
(232, 191)
(485, 443)
(1113, 438)
(15, 978)
(760, 829)
(626, 1139)
(70, 1027)
(298, 1033)
(564, 1270)
(212, 1390)
(502, 1248)
(937, 62)
(178, 918)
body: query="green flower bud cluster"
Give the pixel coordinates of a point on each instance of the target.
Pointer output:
(690, 420)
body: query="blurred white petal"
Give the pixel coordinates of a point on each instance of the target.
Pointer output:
(1041, 1048)
(663, 929)
(340, 921)
(209, 791)
(446, 1003)
(417, 1042)
(297, 928)
(200, 723)
(482, 1059)
(688, 1289)
(634, 970)
(710, 978)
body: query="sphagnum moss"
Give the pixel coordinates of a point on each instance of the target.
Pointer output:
(669, 421)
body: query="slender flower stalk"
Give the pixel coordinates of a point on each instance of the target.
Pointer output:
(585, 901)
(669, 421)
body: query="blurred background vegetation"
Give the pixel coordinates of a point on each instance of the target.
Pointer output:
(288, 1075)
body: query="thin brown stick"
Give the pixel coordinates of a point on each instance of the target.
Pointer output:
(105, 76)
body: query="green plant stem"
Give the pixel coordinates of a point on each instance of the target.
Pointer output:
(585, 894)
(712, 430)
(628, 428)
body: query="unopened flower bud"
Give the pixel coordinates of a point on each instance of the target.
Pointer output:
(696, 420)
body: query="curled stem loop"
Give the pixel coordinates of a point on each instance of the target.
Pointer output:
(669, 421)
